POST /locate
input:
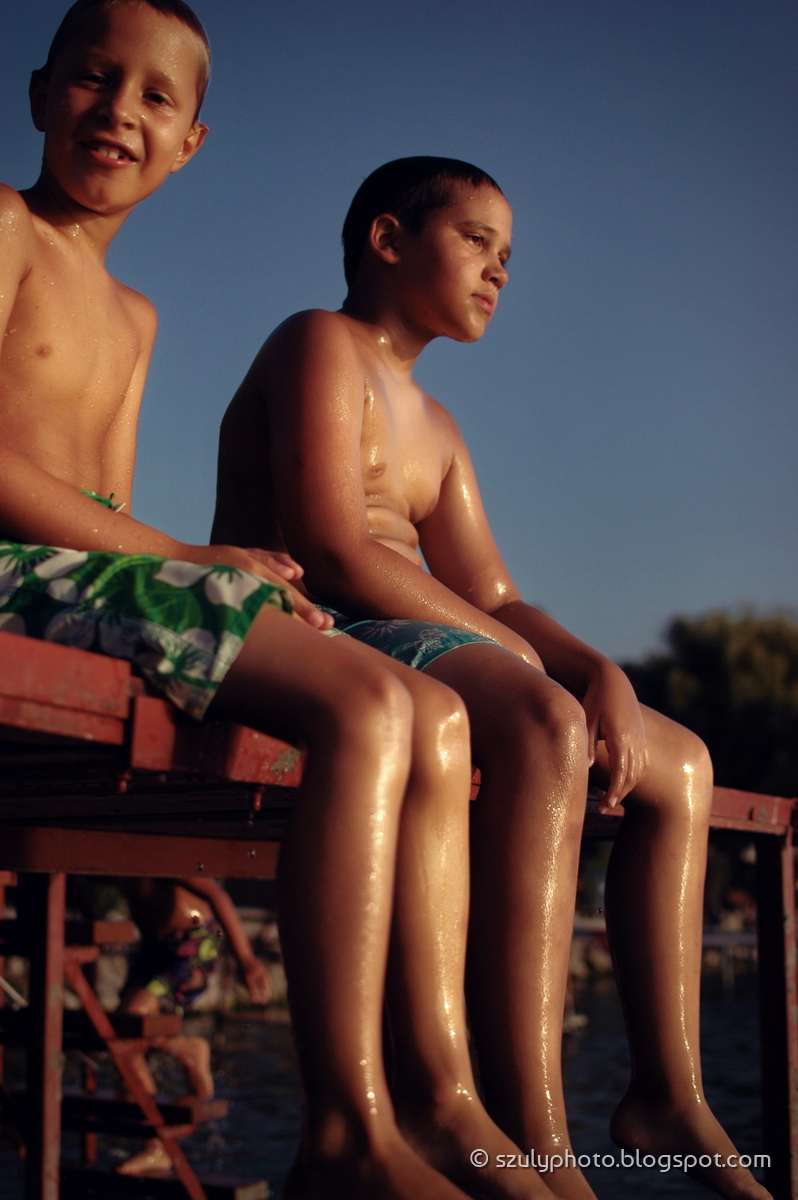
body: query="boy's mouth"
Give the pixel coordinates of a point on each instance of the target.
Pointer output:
(487, 302)
(112, 152)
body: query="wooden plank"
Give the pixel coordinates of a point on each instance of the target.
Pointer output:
(252, 757)
(733, 809)
(63, 676)
(83, 932)
(54, 721)
(78, 1030)
(88, 852)
(163, 740)
(101, 932)
(112, 1114)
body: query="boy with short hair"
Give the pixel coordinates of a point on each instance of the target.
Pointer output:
(223, 630)
(332, 451)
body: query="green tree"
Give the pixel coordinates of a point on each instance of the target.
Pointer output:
(734, 681)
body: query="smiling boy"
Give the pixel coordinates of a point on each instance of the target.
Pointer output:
(118, 112)
(332, 451)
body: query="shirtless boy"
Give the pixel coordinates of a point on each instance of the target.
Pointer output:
(387, 774)
(330, 450)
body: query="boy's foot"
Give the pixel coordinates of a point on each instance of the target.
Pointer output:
(462, 1142)
(151, 1160)
(658, 1128)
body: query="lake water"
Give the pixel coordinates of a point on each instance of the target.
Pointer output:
(255, 1069)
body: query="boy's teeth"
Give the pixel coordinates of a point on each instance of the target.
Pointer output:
(110, 152)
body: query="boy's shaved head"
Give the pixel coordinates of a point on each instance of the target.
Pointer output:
(77, 17)
(408, 188)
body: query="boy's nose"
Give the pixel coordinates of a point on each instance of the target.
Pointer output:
(120, 106)
(497, 273)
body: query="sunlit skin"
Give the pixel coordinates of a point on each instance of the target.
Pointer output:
(331, 450)
(388, 760)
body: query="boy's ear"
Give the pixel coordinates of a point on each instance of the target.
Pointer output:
(384, 236)
(194, 139)
(37, 92)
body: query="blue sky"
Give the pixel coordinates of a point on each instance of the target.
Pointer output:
(632, 409)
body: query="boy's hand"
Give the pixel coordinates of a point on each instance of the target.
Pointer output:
(614, 717)
(258, 981)
(279, 562)
(271, 565)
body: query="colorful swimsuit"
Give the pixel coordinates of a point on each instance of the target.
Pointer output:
(180, 624)
(176, 968)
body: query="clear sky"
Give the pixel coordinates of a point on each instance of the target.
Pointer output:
(632, 408)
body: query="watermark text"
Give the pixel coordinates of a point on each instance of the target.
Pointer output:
(546, 1163)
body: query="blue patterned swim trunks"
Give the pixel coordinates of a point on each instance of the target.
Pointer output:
(414, 643)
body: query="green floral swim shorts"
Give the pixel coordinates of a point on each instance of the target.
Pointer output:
(180, 624)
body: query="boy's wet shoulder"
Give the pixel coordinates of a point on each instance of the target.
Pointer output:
(315, 335)
(311, 325)
(16, 220)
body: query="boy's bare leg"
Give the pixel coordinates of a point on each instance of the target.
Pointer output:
(194, 1056)
(654, 904)
(433, 1086)
(337, 876)
(529, 739)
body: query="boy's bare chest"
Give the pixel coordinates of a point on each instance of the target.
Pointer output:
(402, 458)
(69, 345)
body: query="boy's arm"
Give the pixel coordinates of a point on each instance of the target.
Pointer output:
(311, 375)
(611, 707)
(460, 549)
(255, 974)
(119, 449)
(36, 507)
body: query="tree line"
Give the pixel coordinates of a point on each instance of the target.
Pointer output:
(733, 679)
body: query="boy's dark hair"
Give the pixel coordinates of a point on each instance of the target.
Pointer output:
(73, 23)
(408, 188)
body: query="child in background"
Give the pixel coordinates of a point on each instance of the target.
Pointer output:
(181, 922)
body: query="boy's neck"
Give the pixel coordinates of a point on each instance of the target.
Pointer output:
(95, 230)
(399, 340)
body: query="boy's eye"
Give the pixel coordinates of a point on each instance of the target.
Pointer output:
(476, 238)
(157, 98)
(92, 78)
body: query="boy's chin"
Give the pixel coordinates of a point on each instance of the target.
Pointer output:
(468, 338)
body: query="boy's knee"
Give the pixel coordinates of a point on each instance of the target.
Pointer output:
(695, 765)
(527, 716)
(372, 702)
(441, 718)
(386, 694)
(554, 716)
